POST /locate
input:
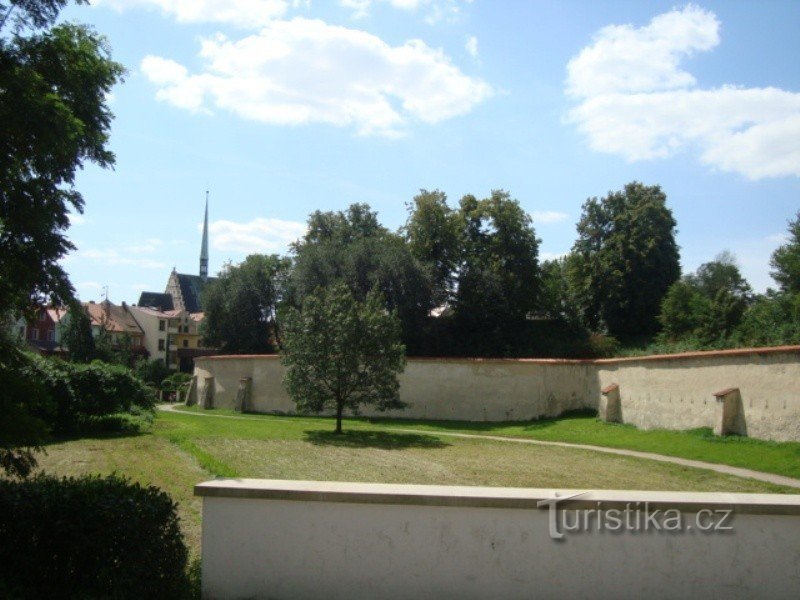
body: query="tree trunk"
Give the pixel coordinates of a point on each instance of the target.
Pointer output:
(339, 409)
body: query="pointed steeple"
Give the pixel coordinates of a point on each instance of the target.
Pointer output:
(204, 246)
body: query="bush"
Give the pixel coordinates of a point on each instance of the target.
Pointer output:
(80, 392)
(89, 537)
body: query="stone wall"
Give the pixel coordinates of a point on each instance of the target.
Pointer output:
(672, 392)
(305, 539)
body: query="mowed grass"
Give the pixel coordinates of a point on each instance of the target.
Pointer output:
(782, 458)
(185, 449)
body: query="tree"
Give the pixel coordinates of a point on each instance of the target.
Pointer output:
(786, 260)
(626, 258)
(55, 119)
(354, 248)
(683, 310)
(341, 353)
(77, 336)
(498, 271)
(241, 305)
(722, 273)
(433, 237)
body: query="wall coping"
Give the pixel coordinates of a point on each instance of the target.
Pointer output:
(491, 497)
(560, 361)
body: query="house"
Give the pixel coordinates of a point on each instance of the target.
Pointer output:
(43, 333)
(118, 323)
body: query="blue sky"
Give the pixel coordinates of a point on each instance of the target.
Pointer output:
(282, 107)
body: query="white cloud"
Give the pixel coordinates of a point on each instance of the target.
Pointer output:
(306, 71)
(777, 238)
(241, 13)
(435, 10)
(551, 255)
(257, 236)
(112, 257)
(548, 216)
(636, 102)
(471, 46)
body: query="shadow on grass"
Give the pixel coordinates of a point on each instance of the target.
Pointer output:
(487, 426)
(373, 439)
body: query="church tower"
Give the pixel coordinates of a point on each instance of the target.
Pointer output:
(204, 246)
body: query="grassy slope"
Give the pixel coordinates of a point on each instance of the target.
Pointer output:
(782, 458)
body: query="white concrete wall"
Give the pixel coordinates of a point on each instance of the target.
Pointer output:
(446, 389)
(678, 392)
(305, 540)
(671, 392)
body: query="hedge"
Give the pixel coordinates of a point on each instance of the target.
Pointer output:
(89, 537)
(77, 395)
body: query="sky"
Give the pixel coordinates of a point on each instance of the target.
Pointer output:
(283, 107)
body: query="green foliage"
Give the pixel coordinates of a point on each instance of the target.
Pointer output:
(772, 320)
(786, 260)
(352, 247)
(722, 273)
(77, 336)
(340, 353)
(174, 384)
(79, 394)
(626, 258)
(241, 306)
(24, 409)
(152, 372)
(55, 119)
(432, 233)
(684, 310)
(89, 537)
(498, 273)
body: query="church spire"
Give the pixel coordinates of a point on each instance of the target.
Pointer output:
(204, 246)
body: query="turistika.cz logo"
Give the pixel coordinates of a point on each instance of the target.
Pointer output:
(636, 517)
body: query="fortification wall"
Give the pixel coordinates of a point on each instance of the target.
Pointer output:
(670, 392)
(677, 392)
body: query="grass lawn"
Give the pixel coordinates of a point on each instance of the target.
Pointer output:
(184, 449)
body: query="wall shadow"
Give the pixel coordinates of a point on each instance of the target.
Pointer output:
(373, 439)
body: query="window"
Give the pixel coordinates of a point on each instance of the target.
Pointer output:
(42, 315)
(161, 344)
(34, 334)
(22, 332)
(51, 335)
(185, 343)
(162, 325)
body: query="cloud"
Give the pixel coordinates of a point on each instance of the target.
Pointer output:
(147, 247)
(306, 71)
(552, 255)
(548, 216)
(636, 102)
(240, 13)
(435, 10)
(257, 236)
(471, 46)
(112, 257)
(77, 219)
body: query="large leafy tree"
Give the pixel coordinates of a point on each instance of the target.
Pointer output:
(341, 352)
(354, 248)
(498, 270)
(432, 233)
(54, 117)
(786, 260)
(54, 81)
(626, 258)
(241, 305)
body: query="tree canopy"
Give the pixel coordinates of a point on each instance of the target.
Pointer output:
(341, 352)
(55, 81)
(786, 260)
(55, 119)
(626, 258)
(354, 248)
(241, 305)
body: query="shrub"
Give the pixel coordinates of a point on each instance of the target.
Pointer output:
(89, 537)
(79, 392)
